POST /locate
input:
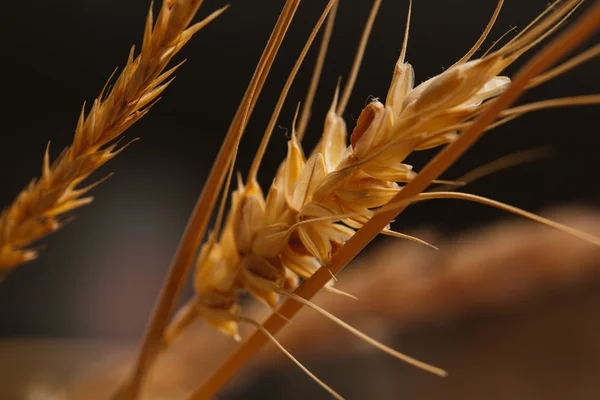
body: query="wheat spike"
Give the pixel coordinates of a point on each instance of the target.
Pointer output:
(37, 210)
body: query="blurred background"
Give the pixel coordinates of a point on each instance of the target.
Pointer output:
(83, 305)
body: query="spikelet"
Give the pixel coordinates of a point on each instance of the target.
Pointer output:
(37, 210)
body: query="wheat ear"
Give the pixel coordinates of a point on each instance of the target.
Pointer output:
(585, 27)
(37, 210)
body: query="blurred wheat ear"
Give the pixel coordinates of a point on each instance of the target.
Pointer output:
(38, 210)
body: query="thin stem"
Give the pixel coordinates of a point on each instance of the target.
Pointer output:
(585, 27)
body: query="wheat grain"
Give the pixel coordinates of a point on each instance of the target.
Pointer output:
(38, 209)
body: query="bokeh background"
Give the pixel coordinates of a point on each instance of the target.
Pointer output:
(96, 279)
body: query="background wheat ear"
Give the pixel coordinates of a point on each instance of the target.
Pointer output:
(37, 210)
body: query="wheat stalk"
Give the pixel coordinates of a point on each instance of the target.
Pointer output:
(38, 209)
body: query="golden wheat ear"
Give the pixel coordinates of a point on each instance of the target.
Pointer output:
(289, 355)
(366, 338)
(584, 28)
(37, 210)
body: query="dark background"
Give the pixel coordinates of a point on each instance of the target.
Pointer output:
(99, 276)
